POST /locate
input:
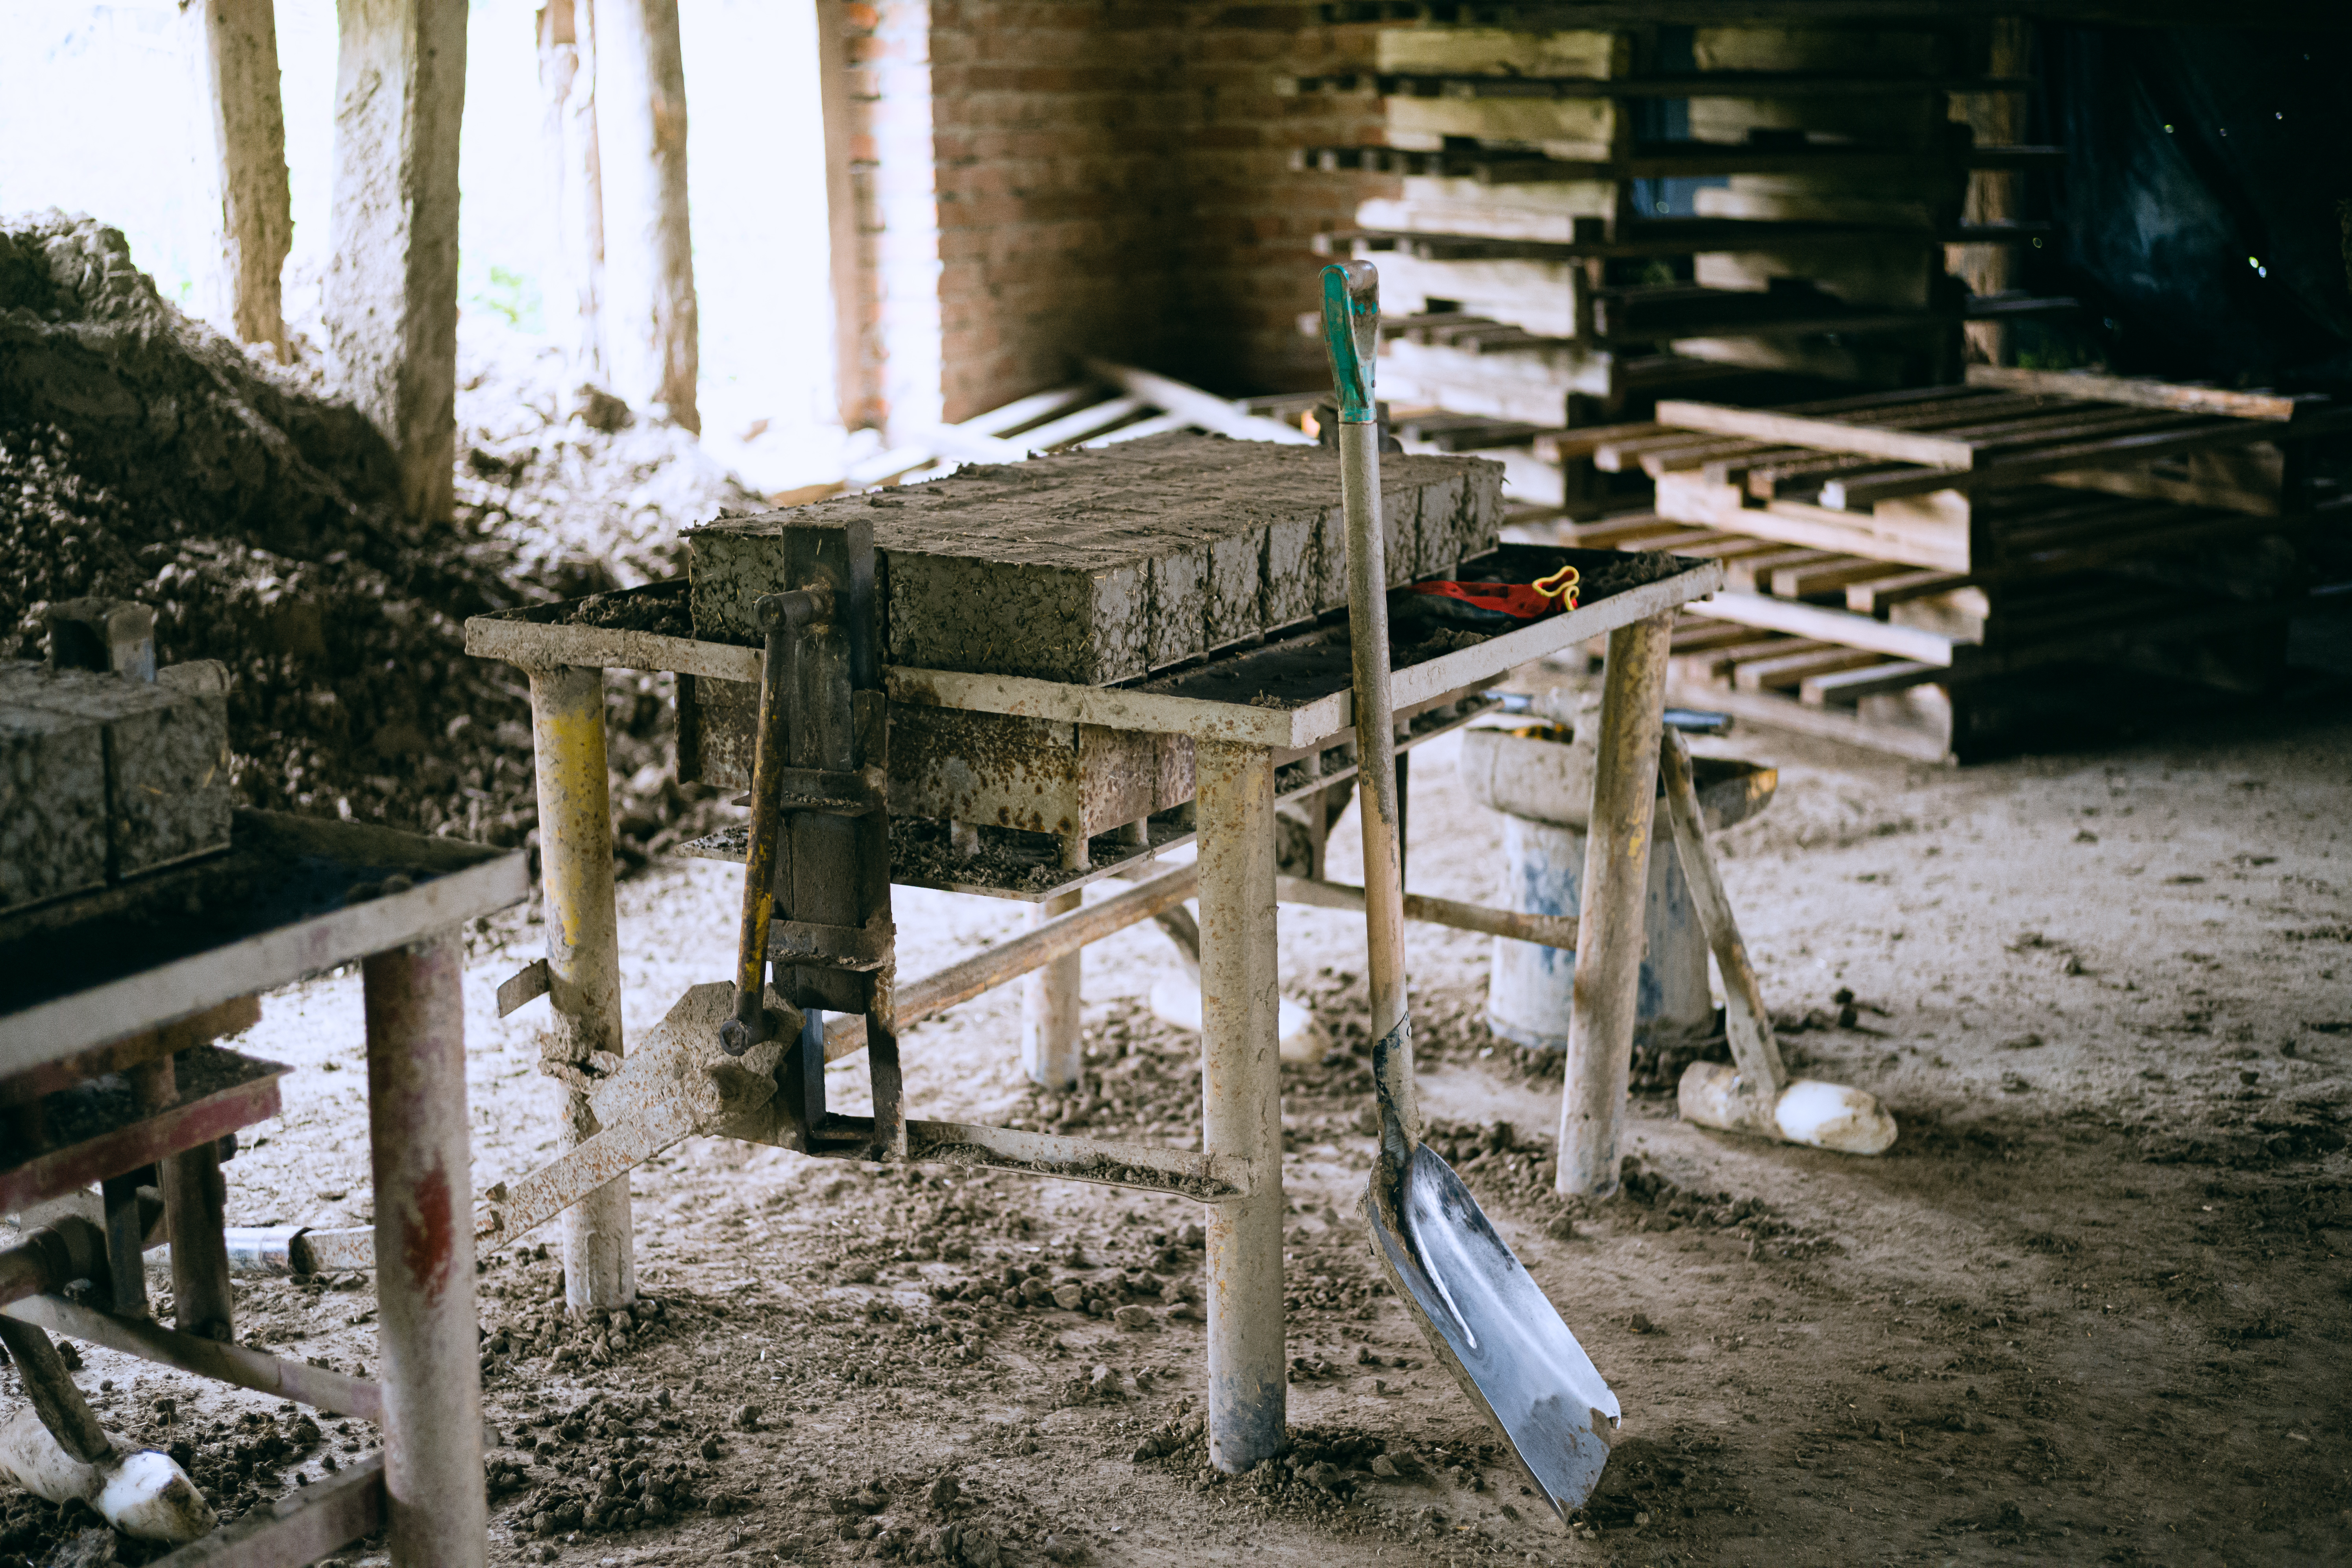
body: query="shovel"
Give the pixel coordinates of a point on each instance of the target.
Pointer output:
(1482, 1314)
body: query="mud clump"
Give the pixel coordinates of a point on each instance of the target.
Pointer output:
(146, 457)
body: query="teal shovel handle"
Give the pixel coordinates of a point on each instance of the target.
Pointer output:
(1351, 334)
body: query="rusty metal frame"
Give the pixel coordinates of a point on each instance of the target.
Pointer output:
(428, 1401)
(144, 1140)
(149, 1341)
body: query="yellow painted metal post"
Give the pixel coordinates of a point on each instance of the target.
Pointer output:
(584, 956)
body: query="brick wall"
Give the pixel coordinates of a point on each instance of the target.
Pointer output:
(1041, 180)
(1248, 271)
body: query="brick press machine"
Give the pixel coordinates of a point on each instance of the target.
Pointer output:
(142, 914)
(1011, 683)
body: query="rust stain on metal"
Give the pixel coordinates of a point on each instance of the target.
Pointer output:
(428, 1235)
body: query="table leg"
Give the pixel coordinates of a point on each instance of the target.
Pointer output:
(584, 956)
(195, 1201)
(1616, 876)
(1242, 1102)
(1050, 1051)
(427, 1335)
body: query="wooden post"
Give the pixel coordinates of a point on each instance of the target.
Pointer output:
(1609, 923)
(854, 389)
(254, 224)
(392, 284)
(1994, 196)
(567, 76)
(650, 335)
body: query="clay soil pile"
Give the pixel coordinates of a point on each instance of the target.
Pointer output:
(144, 456)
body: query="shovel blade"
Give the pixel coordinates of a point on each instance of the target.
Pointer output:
(1486, 1318)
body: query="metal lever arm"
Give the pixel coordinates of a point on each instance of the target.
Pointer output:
(781, 616)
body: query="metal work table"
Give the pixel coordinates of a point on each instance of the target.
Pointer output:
(139, 980)
(1245, 716)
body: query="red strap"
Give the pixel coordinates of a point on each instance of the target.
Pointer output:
(1521, 601)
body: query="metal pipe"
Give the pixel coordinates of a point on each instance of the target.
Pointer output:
(149, 1341)
(1049, 1004)
(583, 953)
(426, 1336)
(49, 1257)
(1550, 931)
(1616, 876)
(1241, 1102)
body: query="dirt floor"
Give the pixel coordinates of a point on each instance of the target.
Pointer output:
(2092, 1307)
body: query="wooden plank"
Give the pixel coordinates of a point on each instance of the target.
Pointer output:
(2248, 490)
(1718, 663)
(1833, 626)
(1824, 435)
(300, 1528)
(1707, 456)
(1875, 597)
(2117, 452)
(1698, 636)
(1563, 446)
(1608, 534)
(2270, 406)
(1747, 572)
(1917, 542)
(1205, 409)
(1802, 582)
(1989, 442)
(1826, 723)
(1727, 547)
(1621, 456)
(1787, 670)
(1845, 687)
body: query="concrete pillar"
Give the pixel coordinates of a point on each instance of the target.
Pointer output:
(392, 284)
(650, 332)
(567, 81)
(237, 52)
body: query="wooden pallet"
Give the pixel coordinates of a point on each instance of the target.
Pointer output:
(1929, 714)
(2016, 467)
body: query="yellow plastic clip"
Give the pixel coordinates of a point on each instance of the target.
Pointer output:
(1560, 585)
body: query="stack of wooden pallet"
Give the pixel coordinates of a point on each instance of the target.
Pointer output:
(1592, 218)
(1889, 556)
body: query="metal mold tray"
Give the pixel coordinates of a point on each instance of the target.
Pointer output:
(1011, 864)
(291, 896)
(100, 1130)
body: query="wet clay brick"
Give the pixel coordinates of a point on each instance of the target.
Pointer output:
(164, 785)
(1099, 566)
